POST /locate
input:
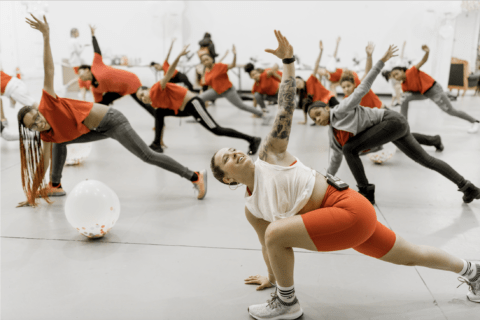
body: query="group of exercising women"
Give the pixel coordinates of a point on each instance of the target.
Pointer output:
(288, 204)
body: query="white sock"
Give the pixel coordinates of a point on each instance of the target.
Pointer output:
(286, 294)
(469, 270)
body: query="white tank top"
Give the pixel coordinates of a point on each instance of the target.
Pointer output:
(280, 192)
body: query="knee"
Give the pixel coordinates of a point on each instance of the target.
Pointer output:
(273, 235)
(349, 149)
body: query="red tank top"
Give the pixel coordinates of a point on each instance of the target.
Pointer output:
(217, 78)
(169, 98)
(267, 85)
(65, 116)
(317, 90)
(370, 100)
(417, 81)
(335, 76)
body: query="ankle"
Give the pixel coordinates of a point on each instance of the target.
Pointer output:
(194, 177)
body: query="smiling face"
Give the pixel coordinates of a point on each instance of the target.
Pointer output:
(35, 121)
(347, 87)
(398, 75)
(321, 116)
(144, 95)
(234, 163)
(207, 61)
(255, 75)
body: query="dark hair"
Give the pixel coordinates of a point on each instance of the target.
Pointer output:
(248, 68)
(400, 68)
(302, 95)
(85, 66)
(153, 63)
(207, 35)
(73, 31)
(386, 74)
(218, 173)
(347, 75)
(316, 104)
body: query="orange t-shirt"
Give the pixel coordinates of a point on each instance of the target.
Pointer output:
(4, 79)
(169, 98)
(217, 78)
(267, 85)
(112, 80)
(335, 76)
(342, 136)
(165, 66)
(417, 81)
(317, 90)
(370, 100)
(65, 116)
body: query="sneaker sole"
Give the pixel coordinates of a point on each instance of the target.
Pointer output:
(476, 301)
(281, 317)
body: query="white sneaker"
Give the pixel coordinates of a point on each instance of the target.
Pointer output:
(275, 309)
(473, 286)
(474, 128)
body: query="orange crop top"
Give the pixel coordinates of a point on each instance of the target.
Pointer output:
(317, 90)
(169, 98)
(335, 76)
(267, 85)
(217, 78)
(370, 100)
(417, 81)
(65, 116)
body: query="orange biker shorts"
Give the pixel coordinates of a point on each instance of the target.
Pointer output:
(346, 220)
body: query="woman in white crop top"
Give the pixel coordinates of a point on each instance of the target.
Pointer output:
(291, 206)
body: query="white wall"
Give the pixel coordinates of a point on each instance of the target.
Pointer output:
(144, 28)
(466, 37)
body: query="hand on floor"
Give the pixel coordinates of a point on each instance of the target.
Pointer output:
(261, 280)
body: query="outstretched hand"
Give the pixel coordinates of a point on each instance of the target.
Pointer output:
(369, 48)
(425, 48)
(234, 51)
(261, 280)
(321, 45)
(92, 29)
(284, 50)
(391, 52)
(184, 51)
(39, 25)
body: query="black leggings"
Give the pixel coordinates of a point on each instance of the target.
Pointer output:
(109, 97)
(182, 78)
(196, 108)
(393, 128)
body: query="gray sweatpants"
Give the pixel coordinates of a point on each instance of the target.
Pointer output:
(115, 125)
(233, 97)
(440, 98)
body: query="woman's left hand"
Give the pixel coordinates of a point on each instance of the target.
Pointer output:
(39, 25)
(261, 280)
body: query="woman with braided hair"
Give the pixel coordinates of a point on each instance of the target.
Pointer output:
(61, 121)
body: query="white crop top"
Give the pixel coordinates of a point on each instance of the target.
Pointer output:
(280, 192)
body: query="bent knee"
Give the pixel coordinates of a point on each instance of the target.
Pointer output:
(273, 235)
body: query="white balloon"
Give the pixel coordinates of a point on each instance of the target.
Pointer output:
(92, 208)
(77, 153)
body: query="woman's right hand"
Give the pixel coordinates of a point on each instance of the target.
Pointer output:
(92, 29)
(25, 204)
(284, 50)
(391, 52)
(261, 280)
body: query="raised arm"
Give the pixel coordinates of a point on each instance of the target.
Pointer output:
(336, 48)
(275, 144)
(171, 69)
(317, 62)
(234, 62)
(224, 56)
(96, 47)
(403, 50)
(368, 66)
(170, 50)
(425, 57)
(48, 66)
(354, 99)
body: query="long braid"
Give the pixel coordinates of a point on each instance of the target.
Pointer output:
(32, 161)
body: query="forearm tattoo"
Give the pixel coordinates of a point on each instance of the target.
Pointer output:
(283, 123)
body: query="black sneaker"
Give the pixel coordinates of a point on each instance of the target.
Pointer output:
(156, 147)
(368, 192)
(253, 148)
(439, 146)
(470, 192)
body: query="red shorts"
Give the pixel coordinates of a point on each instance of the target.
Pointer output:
(81, 83)
(346, 220)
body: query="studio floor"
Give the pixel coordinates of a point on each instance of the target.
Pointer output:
(171, 256)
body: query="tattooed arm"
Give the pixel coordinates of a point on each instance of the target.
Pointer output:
(274, 147)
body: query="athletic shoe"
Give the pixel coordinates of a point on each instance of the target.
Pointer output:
(374, 149)
(54, 191)
(470, 192)
(474, 128)
(439, 146)
(368, 192)
(201, 184)
(276, 309)
(473, 286)
(253, 147)
(156, 147)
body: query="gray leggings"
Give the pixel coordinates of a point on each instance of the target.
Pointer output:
(440, 98)
(232, 96)
(262, 97)
(115, 125)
